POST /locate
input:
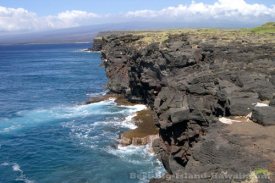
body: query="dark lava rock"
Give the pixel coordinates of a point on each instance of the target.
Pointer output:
(264, 115)
(242, 103)
(189, 80)
(272, 102)
(97, 45)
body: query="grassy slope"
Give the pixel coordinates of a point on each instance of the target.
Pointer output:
(259, 35)
(266, 28)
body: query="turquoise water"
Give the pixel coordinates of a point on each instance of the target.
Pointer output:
(47, 135)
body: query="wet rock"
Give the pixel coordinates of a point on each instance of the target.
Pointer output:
(137, 141)
(125, 141)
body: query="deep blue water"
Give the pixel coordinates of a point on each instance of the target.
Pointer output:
(46, 135)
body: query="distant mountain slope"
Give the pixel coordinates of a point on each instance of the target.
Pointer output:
(78, 34)
(87, 33)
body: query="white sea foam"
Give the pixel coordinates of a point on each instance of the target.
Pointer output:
(16, 168)
(139, 155)
(135, 108)
(24, 179)
(10, 128)
(120, 123)
(97, 94)
(5, 164)
(128, 122)
(34, 117)
(87, 51)
(91, 134)
(132, 154)
(132, 112)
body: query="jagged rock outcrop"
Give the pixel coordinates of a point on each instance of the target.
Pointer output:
(137, 141)
(189, 80)
(97, 44)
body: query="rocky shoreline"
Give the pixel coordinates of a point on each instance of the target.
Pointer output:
(190, 79)
(146, 131)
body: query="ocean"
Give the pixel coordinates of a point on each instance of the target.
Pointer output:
(47, 134)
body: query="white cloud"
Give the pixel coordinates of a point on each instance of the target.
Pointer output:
(239, 10)
(223, 11)
(72, 18)
(19, 19)
(16, 19)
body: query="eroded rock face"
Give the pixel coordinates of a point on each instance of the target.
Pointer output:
(97, 45)
(137, 141)
(189, 82)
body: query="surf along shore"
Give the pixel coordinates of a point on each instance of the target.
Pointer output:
(146, 130)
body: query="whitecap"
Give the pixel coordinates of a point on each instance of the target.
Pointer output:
(86, 51)
(91, 134)
(127, 122)
(135, 108)
(97, 94)
(5, 164)
(139, 155)
(37, 116)
(10, 128)
(132, 154)
(16, 168)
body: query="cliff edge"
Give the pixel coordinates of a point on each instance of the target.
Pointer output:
(194, 80)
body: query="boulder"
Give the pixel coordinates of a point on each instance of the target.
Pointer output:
(242, 103)
(179, 115)
(272, 102)
(264, 115)
(182, 115)
(197, 53)
(273, 79)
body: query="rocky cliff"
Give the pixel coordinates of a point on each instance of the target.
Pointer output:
(190, 79)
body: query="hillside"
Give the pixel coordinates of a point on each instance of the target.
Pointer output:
(266, 28)
(221, 36)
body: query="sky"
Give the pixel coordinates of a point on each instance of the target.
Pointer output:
(40, 15)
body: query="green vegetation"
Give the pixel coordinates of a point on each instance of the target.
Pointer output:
(266, 28)
(261, 171)
(259, 35)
